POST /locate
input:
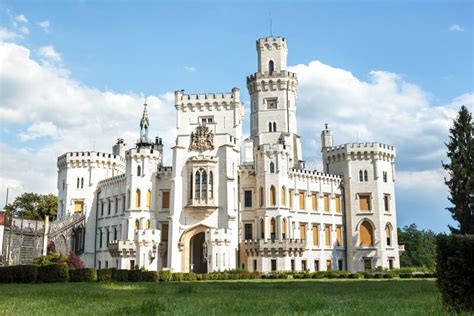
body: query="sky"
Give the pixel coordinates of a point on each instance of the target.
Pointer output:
(74, 74)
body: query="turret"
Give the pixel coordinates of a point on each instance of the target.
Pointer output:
(119, 148)
(326, 142)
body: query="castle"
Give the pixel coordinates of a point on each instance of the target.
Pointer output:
(228, 202)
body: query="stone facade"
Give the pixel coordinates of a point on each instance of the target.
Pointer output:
(228, 202)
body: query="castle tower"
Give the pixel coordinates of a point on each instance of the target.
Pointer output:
(369, 198)
(272, 92)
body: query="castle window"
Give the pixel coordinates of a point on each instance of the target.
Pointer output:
(211, 185)
(386, 202)
(315, 236)
(314, 201)
(269, 126)
(137, 198)
(137, 224)
(247, 198)
(248, 229)
(206, 120)
(272, 167)
(272, 196)
(326, 202)
(364, 202)
(197, 186)
(283, 228)
(339, 236)
(109, 207)
(384, 175)
(316, 265)
(271, 66)
(366, 234)
(338, 204)
(328, 265)
(78, 206)
(148, 199)
(361, 176)
(291, 199)
(327, 233)
(116, 205)
(100, 238)
(107, 237)
(388, 234)
(262, 228)
(302, 200)
(82, 183)
(78, 182)
(366, 176)
(261, 193)
(64, 184)
(164, 232)
(115, 233)
(340, 264)
(139, 171)
(283, 196)
(204, 184)
(272, 229)
(148, 224)
(102, 208)
(165, 202)
(302, 231)
(274, 126)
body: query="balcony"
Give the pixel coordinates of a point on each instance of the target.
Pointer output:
(269, 247)
(122, 248)
(201, 208)
(401, 248)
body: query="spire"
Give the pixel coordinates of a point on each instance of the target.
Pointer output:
(144, 124)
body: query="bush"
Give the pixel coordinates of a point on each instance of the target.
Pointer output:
(149, 276)
(19, 274)
(120, 275)
(178, 276)
(52, 258)
(135, 275)
(189, 276)
(353, 276)
(165, 276)
(74, 261)
(83, 275)
(343, 275)
(455, 271)
(405, 275)
(53, 273)
(104, 275)
(318, 275)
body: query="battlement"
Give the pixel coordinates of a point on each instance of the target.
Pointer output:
(206, 99)
(271, 43)
(142, 152)
(89, 156)
(355, 151)
(282, 74)
(112, 181)
(316, 175)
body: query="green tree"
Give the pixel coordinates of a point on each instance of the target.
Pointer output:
(33, 206)
(461, 172)
(420, 247)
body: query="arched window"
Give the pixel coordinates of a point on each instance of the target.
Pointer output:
(204, 184)
(283, 196)
(139, 171)
(148, 224)
(197, 185)
(283, 228)
(274, 126)
(148, 199)
(272, 196)
(366, 234)
(137, 224)
(78, 183)
(137, 198)
(191, 187)
(211, 185)
(262, 229)
(361, 176)
(388, 233)
(271, 66)
(272, 229)
(366, 176)
(82, 183)
(261, 195)
(272, 167)
(269, 126)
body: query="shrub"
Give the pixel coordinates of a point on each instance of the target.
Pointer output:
(318, 275)
(53, 273)
(104, 275)
(150, 276)
(19, 274)
(353, 276)
(455, 271)
(178, 276)
(405, 275)
(332, 274)
(205, 276)
(189, 276)
(52, 258)
(165, 276)
(343, 275)
(74, 261)
(135, 275)
(120, 275)
(83, 275)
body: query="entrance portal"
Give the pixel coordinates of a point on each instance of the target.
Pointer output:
(196, 253)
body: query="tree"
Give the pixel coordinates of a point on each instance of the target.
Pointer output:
(33, 206)
(461, 172)
(420, 247)
(74, 261)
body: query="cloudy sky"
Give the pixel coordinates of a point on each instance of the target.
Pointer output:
(73, 76)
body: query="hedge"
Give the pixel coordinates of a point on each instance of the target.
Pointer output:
(83, 275)
(165, 276)
(19, 274)
(455, 271)
(104, 275)
(150, 276)
(120, 275)
(53, 273)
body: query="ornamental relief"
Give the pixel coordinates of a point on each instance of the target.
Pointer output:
(202, 139)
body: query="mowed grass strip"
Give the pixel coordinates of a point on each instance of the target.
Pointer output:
(269, 297)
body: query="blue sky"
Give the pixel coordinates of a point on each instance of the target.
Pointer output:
(106, 56)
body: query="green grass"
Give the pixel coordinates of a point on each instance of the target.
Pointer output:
(267, 297)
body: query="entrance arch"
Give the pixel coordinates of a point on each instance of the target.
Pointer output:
(189, 242)
(196, 253)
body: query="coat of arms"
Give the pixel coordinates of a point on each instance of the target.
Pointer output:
(202, 139)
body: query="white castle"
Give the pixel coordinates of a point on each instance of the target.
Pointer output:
(228, 202)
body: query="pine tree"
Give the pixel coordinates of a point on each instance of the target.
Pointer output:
(461, 172)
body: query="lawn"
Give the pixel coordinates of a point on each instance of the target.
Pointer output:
(269, 297)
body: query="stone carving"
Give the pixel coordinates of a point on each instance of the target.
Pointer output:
(202, 139)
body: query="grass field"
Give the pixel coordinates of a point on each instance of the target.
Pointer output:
(250, 297)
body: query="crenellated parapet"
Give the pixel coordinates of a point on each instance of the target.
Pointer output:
(208, 101)
(113, 181)
(360, 151)
(165, 172)
(79, 159)
(274, 81)
(305, 174)
(247, 170)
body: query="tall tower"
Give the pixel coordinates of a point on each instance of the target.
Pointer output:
(272, 92)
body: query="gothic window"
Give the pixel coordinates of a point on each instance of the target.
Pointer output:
(78, 182)
(271, 66)
(197, 185)
(388, 233)
(384, 176)
(386, 202)
(366, 234)
(283, 228)
(272, 229)
(272, 196)
(204, 184)
(272, 167)
(366, 176)
(148, 199)
(274, 126)
(262, 228)
(283, 196)
(364, 202)
(137, 224)
(247, 198)
(82, 183)
(248, 231)
(361, 176)
(139, 171)
(137, 198)
(211, 185)
(269, 126)
(261, 193)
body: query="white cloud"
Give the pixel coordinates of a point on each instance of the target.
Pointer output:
(6, 35)
(49, 53)
(68, 115)
(190, 68)
(24, 30)
(44, 25)
(456, 28)
(41, 129)
(21, 18)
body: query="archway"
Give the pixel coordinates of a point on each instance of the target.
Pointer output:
(196, 253)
